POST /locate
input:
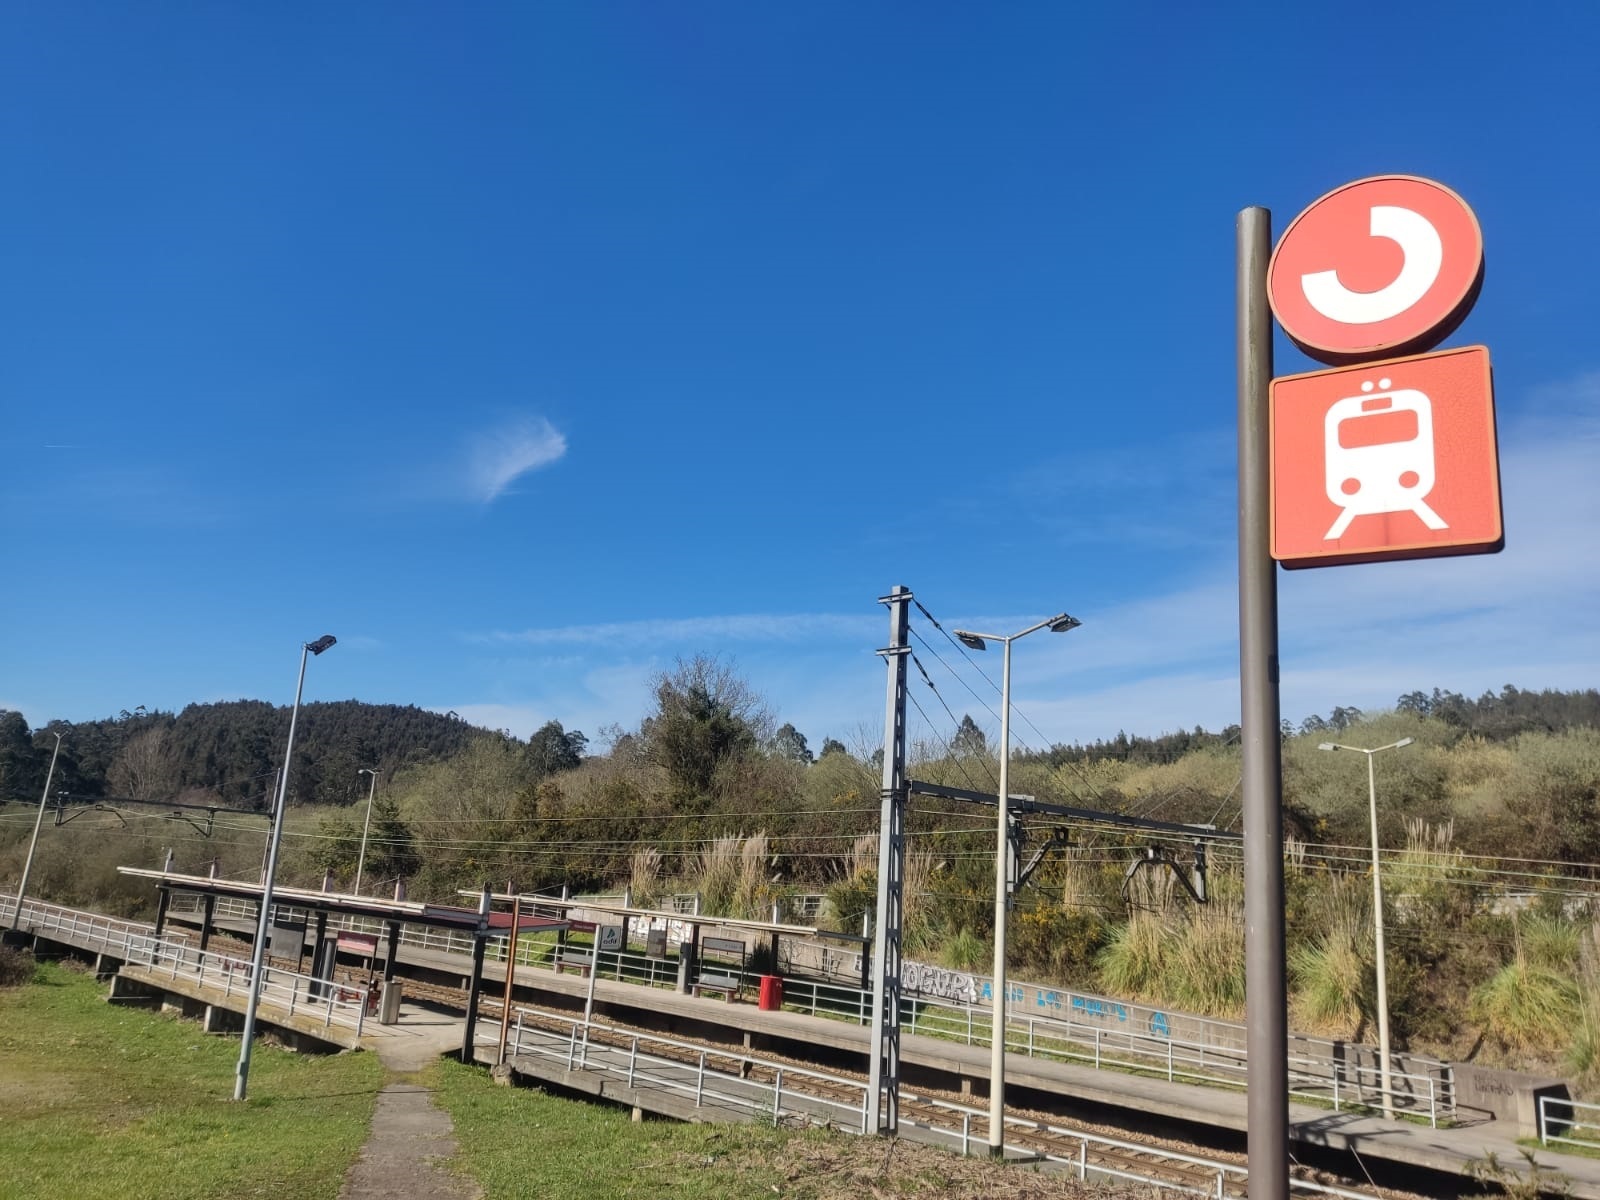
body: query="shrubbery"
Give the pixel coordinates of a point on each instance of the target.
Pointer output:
(16, 966)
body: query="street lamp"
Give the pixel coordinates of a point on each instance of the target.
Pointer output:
(1377, 917)
(264, 917)
(27, 863)
(366, 825)
(1060, 623)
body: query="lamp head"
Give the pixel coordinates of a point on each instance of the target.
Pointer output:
(971, 640)
(1327, 746)
(1064, 623)
(321, 644)
(1405, 741)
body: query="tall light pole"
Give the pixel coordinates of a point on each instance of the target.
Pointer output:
(1377, 917)
(27, 863)
(366, 825)
(264, 917)
(1059, 623)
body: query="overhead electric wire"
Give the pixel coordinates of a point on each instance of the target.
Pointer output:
(959, 761)
(1094, 789)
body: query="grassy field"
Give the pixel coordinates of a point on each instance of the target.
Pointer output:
(100, 1101)
(124, 1104)
(522, 1144)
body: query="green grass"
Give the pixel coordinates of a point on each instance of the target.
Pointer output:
(519, 1142)
(101, 1101)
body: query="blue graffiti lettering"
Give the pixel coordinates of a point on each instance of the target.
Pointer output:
(1099, 1008)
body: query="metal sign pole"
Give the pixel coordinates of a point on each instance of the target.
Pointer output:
(511, 968)
(1266, 993)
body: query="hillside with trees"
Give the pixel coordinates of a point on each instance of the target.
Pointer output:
(1490, 823)
(226, 753)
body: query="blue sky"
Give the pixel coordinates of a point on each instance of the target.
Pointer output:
(528, 347)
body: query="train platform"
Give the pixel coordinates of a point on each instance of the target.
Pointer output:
(928, 1061)
(1454, 1151)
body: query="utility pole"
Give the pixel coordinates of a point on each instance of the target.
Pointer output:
(27, 863)
(883, 1083)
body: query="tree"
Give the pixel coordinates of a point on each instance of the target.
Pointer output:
(552, 749)
(705, 716)
(1414, 702)
(391, 847)
(790, 743)
(142, 770)
(832, 746)
(21, 776)
(1342, 718)
(969, 741)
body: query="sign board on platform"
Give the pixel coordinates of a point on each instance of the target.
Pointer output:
(1392, 459)
(611, 937)
(287, 939)
(364, 944)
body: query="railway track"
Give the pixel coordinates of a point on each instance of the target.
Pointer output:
(1091, 1152)
(1088, 1150)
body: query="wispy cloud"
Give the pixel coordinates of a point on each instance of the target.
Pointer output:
(1157, 658)
(669, 632)
(499, 457)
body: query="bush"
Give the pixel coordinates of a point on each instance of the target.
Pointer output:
(1134, 962)
(16, 967)
(1526, 1006)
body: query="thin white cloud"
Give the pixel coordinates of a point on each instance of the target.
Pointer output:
(1152, 661)
(1359, 635)
(500, 457)
(669, 632)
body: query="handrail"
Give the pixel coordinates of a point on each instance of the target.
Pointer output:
(659, 1069)
(1319, 1078)
(1562, 1113)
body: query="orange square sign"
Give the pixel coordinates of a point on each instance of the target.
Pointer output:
(1393, 459)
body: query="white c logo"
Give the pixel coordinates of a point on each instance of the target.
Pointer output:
(1423, 256)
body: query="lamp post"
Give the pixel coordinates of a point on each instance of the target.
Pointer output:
(1060, 623)
(264, 917)
(27, 863)
(366, 825)
(1377, 917)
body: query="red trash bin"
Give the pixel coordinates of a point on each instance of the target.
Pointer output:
(771, 993)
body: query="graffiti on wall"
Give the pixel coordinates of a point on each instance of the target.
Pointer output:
(937, 981)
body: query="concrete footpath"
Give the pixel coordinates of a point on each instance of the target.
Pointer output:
(411, 1143)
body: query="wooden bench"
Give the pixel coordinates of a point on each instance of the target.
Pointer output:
(577, 960)
(729, 985)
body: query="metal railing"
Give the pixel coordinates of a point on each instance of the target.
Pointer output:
(1144, 1043)
(85, 929)
(1569, 1122)
(632, 1057)
(820, 999)
(293, 993)
(1178, 1060)
(1224, 1174)
(136, 944)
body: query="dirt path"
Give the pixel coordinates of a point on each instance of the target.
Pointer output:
(410, 1144)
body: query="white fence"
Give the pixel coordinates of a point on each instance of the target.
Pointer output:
(646, 1062)
(136, 944)
(86, 929)
(315, 1000)
(1569, 1122)
(1074, 1027)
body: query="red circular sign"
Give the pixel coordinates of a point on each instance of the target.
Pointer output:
(1387, 265)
